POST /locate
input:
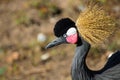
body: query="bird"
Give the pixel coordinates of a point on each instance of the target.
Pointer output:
(69, 32)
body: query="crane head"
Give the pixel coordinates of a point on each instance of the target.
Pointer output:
(65, 31)
(94, 25)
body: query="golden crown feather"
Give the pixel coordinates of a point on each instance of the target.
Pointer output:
(95, 25)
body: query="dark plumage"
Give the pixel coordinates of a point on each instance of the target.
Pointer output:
(79, 69)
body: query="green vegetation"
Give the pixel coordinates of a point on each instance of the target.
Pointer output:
(22, 18)
(2, 70)
(45, 8)
(103, 1)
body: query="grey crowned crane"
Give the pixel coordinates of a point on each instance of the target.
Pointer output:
(92, 27)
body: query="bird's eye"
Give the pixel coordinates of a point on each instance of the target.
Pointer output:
(64, 35)
(71, 31)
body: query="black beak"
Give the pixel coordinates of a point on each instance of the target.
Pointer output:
(56, 42)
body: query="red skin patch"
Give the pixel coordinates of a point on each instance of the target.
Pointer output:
(72, 38)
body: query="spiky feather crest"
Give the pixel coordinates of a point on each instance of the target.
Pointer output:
(95, 25)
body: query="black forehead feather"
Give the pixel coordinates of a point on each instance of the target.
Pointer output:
(62, 26)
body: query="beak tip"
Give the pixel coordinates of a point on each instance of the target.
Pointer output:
(57, 41)
(46, 47)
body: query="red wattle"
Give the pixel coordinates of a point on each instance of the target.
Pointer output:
(72, 38)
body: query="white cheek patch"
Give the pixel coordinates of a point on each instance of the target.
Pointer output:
(71, 31)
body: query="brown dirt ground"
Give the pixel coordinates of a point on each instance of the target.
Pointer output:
(20, 41)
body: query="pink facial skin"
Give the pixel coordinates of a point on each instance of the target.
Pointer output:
(72, 38)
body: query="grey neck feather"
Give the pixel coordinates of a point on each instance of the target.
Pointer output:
(79, 69)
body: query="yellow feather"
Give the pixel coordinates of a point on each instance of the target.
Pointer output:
(95, 25)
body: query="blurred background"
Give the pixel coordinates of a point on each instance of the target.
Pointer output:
(26, 27)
